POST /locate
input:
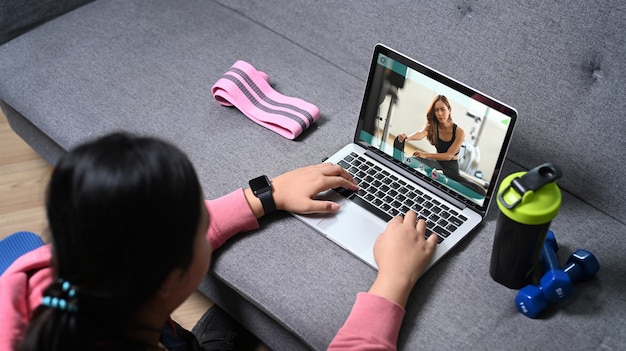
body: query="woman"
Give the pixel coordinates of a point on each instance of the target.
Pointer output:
(447, 138)
(132, 238)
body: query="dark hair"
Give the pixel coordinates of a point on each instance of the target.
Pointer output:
(433, 123)
(123, 212)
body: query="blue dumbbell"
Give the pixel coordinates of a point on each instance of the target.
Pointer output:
(556, 285)
(581, 265)
(530, 301)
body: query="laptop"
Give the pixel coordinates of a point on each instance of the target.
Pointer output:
(393, 174)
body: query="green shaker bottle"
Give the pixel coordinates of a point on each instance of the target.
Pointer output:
(528, 202)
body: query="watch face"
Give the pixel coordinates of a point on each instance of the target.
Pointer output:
(260, 184)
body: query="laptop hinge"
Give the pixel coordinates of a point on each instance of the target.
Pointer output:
(401, 169)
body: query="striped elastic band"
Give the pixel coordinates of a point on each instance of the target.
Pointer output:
(249, 91)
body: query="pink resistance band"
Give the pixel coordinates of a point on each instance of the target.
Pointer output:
(249, 90)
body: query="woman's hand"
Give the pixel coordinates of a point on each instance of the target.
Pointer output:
(402, 253)
(295, 191)
(422, 154)
(402, 137)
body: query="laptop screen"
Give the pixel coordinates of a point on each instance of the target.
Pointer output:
(416, 115)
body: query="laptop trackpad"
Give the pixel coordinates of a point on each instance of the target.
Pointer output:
(354, 229)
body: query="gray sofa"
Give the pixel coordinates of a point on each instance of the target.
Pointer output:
(71, 71)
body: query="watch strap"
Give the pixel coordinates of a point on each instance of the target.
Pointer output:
(267, 200)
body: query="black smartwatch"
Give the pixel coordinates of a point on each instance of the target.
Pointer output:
(262, 188)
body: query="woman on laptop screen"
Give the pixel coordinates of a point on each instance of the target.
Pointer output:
(446, 137)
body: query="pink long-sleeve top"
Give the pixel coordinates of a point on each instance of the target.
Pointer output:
(373, 324)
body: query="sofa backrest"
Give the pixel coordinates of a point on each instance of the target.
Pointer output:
(17, 17)
(560, 64)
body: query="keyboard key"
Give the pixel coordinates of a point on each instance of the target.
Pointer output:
(451, 227)
(442, 232)
(456, 221)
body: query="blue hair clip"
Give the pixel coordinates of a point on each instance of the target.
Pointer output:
(66, 286)
(61, 304)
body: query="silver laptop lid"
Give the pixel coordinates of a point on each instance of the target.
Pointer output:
(399, 93)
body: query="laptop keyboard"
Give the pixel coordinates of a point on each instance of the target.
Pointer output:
(386, 195)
